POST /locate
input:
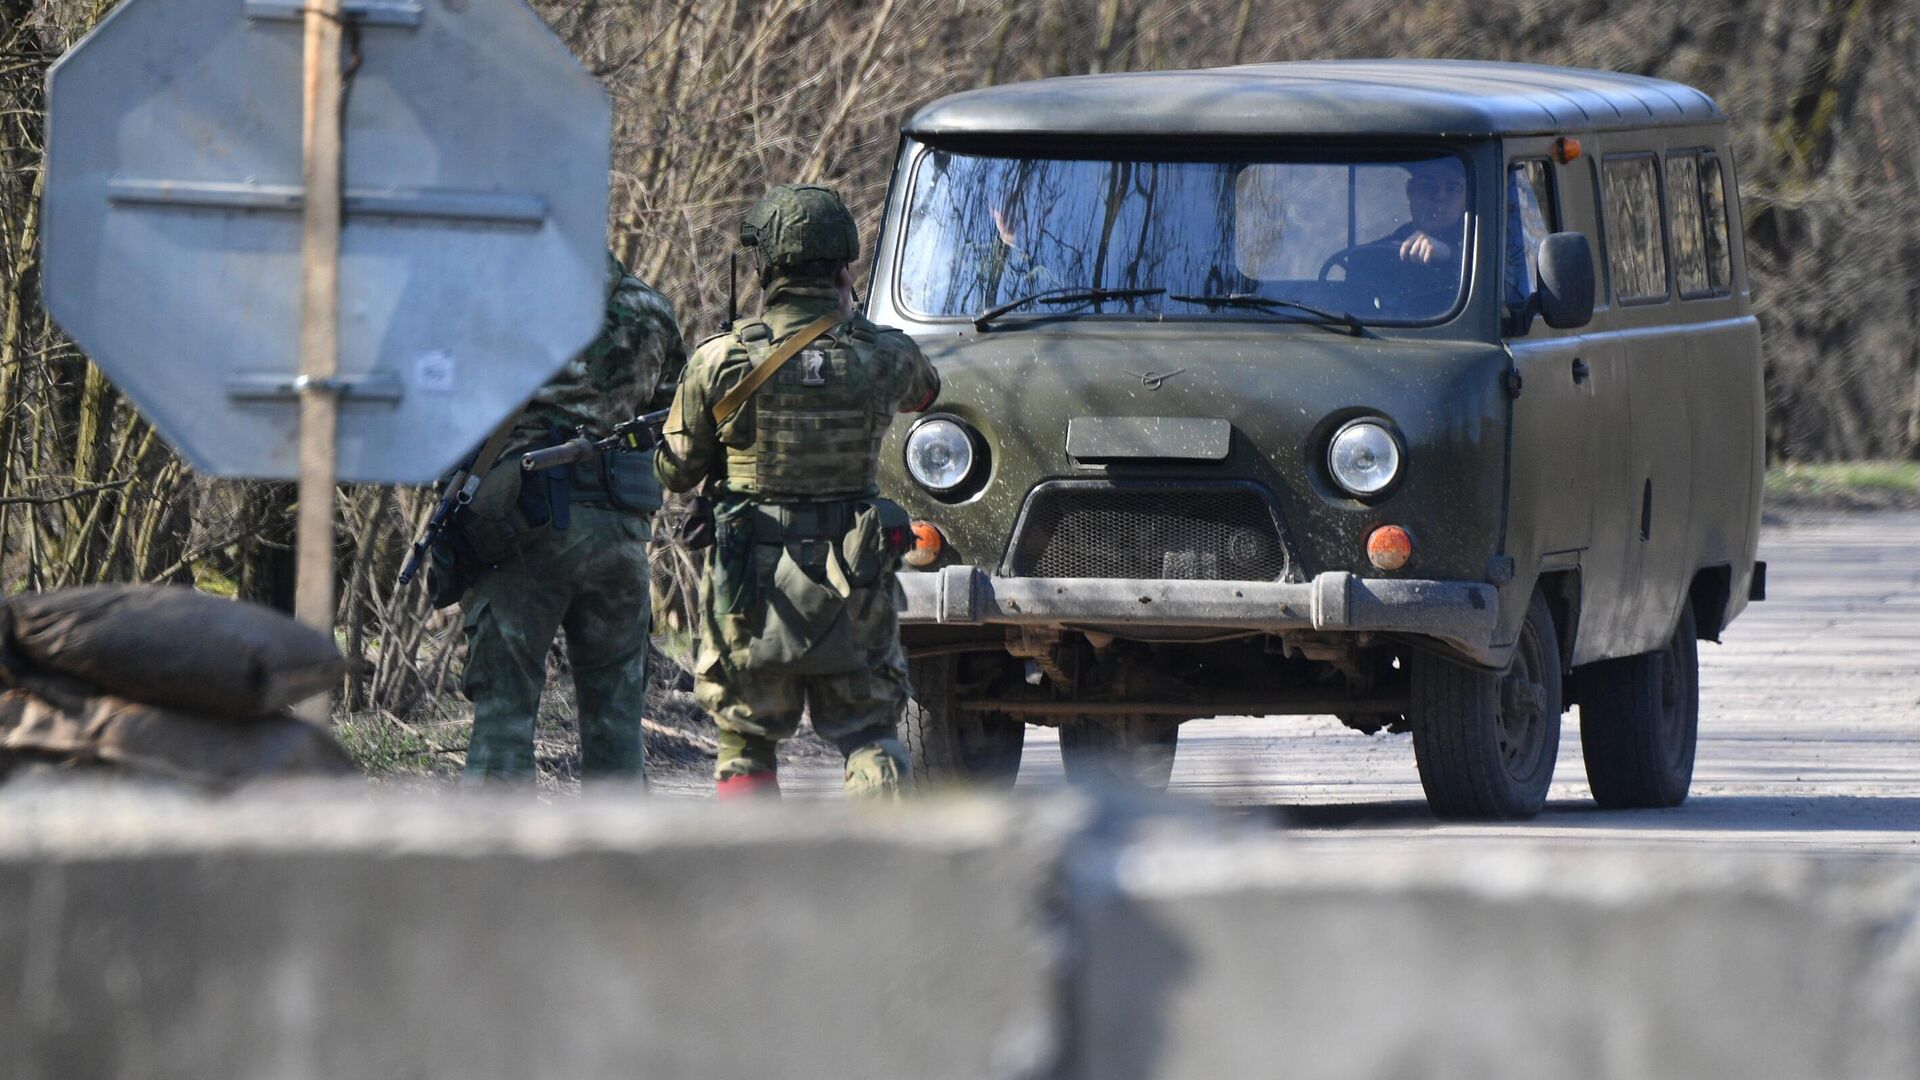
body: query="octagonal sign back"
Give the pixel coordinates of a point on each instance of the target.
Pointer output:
(473, 257)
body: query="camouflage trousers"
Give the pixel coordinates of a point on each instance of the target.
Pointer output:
(859, 713)
(798, 615)
(591, 581)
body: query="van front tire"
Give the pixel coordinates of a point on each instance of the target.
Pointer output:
(1640, 723)
(1486, 741)
(950, 745)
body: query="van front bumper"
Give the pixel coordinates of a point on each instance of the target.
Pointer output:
(1464, 613)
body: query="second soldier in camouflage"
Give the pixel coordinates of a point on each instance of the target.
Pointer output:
(585, 570)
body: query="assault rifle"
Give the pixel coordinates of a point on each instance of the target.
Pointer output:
(640, 433)
(460, 488)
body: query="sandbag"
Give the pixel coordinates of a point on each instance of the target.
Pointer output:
(149, 741)
(173, 647)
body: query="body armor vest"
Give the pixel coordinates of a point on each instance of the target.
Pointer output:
(812, 431)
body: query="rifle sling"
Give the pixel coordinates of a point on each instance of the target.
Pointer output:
(764, 370)
(491, 450)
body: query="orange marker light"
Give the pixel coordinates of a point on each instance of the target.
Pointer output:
(1389, 547)
(1565, 149)
(927, 545)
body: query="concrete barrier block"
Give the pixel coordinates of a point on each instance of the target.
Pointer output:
(1259, 958)
(331, 935)
(339, 936)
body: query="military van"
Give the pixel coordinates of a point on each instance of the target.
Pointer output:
(1422, 394)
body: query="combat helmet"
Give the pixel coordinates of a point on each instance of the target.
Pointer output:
(797, 224)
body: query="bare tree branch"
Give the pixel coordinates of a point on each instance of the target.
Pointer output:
(49, 500)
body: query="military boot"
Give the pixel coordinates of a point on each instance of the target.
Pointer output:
(877, 770)
(747, 785)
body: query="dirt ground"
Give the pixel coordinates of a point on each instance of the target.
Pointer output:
(1809, 729)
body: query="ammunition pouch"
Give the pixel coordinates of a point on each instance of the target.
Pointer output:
(448, 575)
(619, 479)
(735, 582)
(874, 542)
(512, 509)
(631, 484)
(804, 588)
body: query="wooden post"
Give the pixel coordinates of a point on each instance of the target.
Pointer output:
(319, 324)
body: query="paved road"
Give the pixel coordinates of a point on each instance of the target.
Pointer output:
(1809, 728)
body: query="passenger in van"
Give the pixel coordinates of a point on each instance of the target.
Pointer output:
(1526, 227)
(1437, 207)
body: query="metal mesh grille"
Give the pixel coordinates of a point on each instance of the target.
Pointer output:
(1216, 533)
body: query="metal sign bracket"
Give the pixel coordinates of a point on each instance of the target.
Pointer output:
(395, 13)
(372, 387)
(488, 207)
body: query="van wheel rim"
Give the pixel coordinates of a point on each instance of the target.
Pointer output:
(1520, 730)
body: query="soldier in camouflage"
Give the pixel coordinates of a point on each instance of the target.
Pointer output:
(586, 571)
(799, 601)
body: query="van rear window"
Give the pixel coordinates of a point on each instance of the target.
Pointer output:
(1713, 200)
(1698, 214)
(1636, 255)
(1689, 239)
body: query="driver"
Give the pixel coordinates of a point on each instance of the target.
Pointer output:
(1003, 264)
(1437, 205)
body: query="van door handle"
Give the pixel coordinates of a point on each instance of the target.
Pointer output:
(1580, 371)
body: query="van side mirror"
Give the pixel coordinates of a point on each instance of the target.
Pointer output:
(1566, 280)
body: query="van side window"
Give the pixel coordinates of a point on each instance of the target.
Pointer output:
(1636, 255)
(1531, 215)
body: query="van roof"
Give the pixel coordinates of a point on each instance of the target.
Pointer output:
(1323, 97)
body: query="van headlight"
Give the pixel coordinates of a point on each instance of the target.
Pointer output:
(1364, 457)
(940, 454)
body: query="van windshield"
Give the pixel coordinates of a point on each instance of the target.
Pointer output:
(1382, 237)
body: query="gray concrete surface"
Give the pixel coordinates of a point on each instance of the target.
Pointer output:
(478, 938)
(1809, 729)
(310, 936)
(1250, 959)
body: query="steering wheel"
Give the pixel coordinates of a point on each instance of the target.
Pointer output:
(1379, 255)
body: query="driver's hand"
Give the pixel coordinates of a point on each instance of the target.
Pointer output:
(1001, 227)
(1425, 250)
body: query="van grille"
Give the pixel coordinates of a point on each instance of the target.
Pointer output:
(1211, 532)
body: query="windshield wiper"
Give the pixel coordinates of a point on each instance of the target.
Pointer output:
(1072, 294)
(1274, 303)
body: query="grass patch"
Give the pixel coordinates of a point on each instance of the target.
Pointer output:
(430, 743)
(386, 750)
(1846, 485)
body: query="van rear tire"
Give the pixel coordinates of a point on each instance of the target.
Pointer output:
(949, 745)
(1486, 741)
(1640, 723)
(1134, 752)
